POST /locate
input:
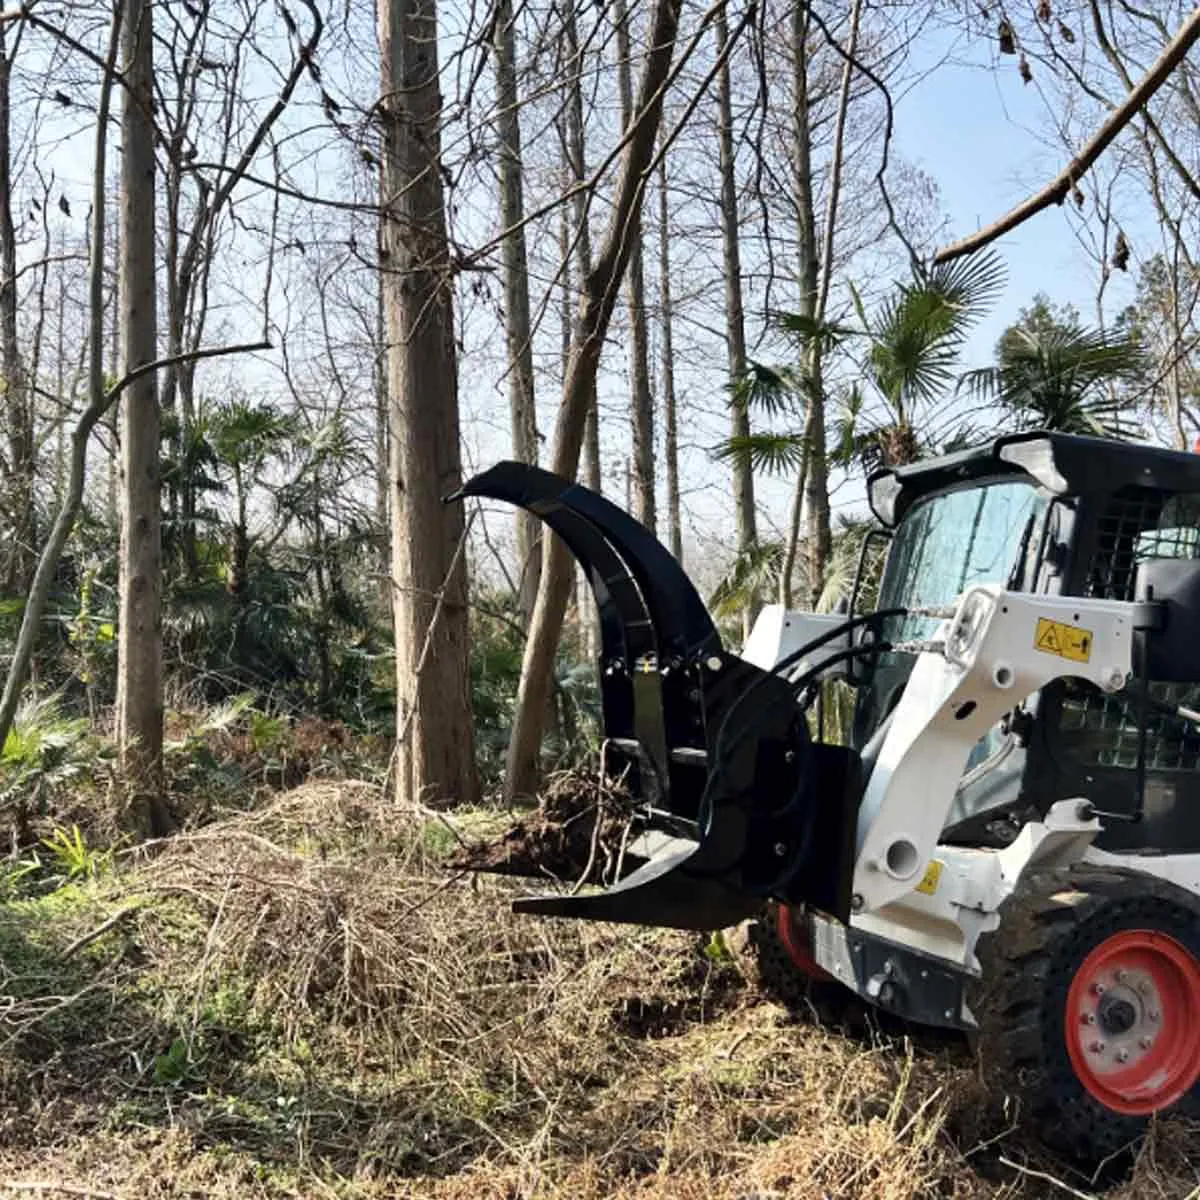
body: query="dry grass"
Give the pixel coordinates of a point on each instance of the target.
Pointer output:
(306, 1003)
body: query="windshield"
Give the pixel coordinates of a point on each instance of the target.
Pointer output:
(944, 545)
(950, 542)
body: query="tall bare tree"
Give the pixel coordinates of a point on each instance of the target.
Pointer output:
(17, 489)
(666, 321)
(139, 649)
(599, 296)
(642, 406)
(816, 475)
(576, 154)
(735, 319)
(517, 331)
(435, 759)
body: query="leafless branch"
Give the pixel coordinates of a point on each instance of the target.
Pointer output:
(1059, 188)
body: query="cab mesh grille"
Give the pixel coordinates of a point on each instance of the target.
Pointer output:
(1102, 730)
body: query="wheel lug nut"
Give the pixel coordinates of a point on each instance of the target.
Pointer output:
(1098, 988)
(1122, 975)
(1097, 1047)
(1153, 1014)
(1088, 1018)
(1145, 1042)
(1122, 1056)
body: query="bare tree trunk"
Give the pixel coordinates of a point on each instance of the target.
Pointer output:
(735, 321)
(795, 521)
(576, 152)
(670, 424)
(816, 490)
(599, 295)
(516, 296)
(139, 647)
(642, 408)
(18, 410)
(379, 370)
(63, 404)
(112, 420)
(435, 746)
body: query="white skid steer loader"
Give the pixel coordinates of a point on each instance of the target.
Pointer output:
(1011, 845)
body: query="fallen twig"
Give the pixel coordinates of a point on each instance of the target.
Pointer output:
(1046, 1177)
(88, 938)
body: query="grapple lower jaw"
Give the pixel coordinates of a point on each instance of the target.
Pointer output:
(715, 749)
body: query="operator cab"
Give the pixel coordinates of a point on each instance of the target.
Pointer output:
(1054, 514)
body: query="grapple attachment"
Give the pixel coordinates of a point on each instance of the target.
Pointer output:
(737, 802)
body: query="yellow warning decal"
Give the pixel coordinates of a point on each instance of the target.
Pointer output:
(931, 878)
(1067, 641)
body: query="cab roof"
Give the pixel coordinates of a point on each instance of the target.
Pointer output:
(1063, 463)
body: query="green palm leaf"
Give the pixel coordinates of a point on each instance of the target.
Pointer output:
(774, 453)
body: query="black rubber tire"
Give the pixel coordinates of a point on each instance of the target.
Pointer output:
(765, 963)
(1048, 926)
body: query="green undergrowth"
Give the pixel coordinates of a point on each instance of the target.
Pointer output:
(304, 1000)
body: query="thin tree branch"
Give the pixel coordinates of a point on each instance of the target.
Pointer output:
(1059, 188)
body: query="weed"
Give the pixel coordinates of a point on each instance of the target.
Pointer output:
(73, 857)
(181, 1064)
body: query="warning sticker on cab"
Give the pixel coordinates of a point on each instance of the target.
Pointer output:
(931, 878)
(1067, 641)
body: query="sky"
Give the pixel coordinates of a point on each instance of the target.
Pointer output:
(977, 130)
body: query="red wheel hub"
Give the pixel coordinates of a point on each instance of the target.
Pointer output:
(796, 944)
(1132, 1022)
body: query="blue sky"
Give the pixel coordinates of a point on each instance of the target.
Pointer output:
(978, 131)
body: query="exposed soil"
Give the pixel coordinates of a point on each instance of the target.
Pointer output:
(579, 833)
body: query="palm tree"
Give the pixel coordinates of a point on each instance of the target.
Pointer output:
(1058, 375)
(913, 347)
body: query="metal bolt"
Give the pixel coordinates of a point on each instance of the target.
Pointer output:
(1097, 1047)
(1153, 1014)
(780, 849)
(789, 756)
(1145, 1042)
(949, 1014)
(713, 662)
(1122, 1056)
(1088, 1018)
(1122, 975)
(1098, 988)
(856, 902)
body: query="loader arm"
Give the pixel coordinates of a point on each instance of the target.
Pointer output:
(998, 648)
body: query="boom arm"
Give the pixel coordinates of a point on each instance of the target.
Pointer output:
(998, 648)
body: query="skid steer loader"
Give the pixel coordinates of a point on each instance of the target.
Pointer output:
(1011, 844)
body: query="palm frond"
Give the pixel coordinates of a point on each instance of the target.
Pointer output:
(971, 284)
(774, 453)
(828, 335)
(754, 573)
(1066, 378)
(772, 390)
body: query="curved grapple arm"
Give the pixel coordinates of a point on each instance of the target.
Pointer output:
(715, 749)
